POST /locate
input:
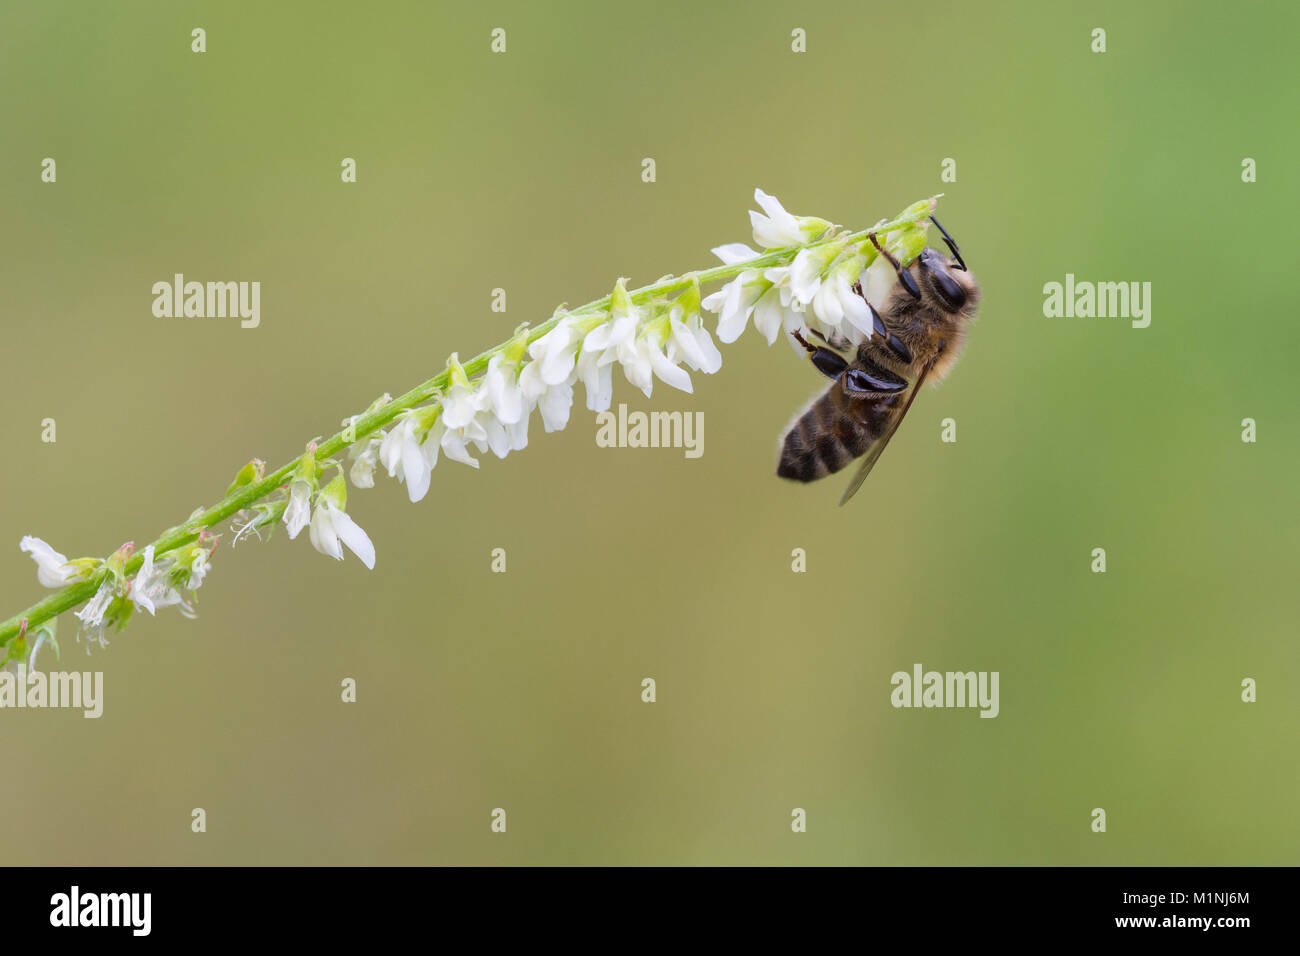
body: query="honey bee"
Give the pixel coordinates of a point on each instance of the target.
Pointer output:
(917, 337)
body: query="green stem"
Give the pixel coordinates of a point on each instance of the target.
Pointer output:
(74, 594)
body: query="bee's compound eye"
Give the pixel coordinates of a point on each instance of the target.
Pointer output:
(950, 290)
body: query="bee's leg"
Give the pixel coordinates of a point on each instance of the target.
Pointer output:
(895, 344)
(899, 348)
(830, 364)
(905, 277)
(952, 245)
(879, 328)
(871, 379)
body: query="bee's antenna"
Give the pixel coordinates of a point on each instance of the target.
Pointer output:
(952, 245)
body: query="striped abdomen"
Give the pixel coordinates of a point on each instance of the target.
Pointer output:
(835, 429)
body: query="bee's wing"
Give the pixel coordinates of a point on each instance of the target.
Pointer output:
(873, 453)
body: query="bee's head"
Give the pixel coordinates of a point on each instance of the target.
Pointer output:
(948, 280)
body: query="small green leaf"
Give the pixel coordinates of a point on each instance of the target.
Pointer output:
(247, 475)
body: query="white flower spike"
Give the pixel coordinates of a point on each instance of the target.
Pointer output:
(802, 276)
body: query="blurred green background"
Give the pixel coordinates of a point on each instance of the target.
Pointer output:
(522, 690)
